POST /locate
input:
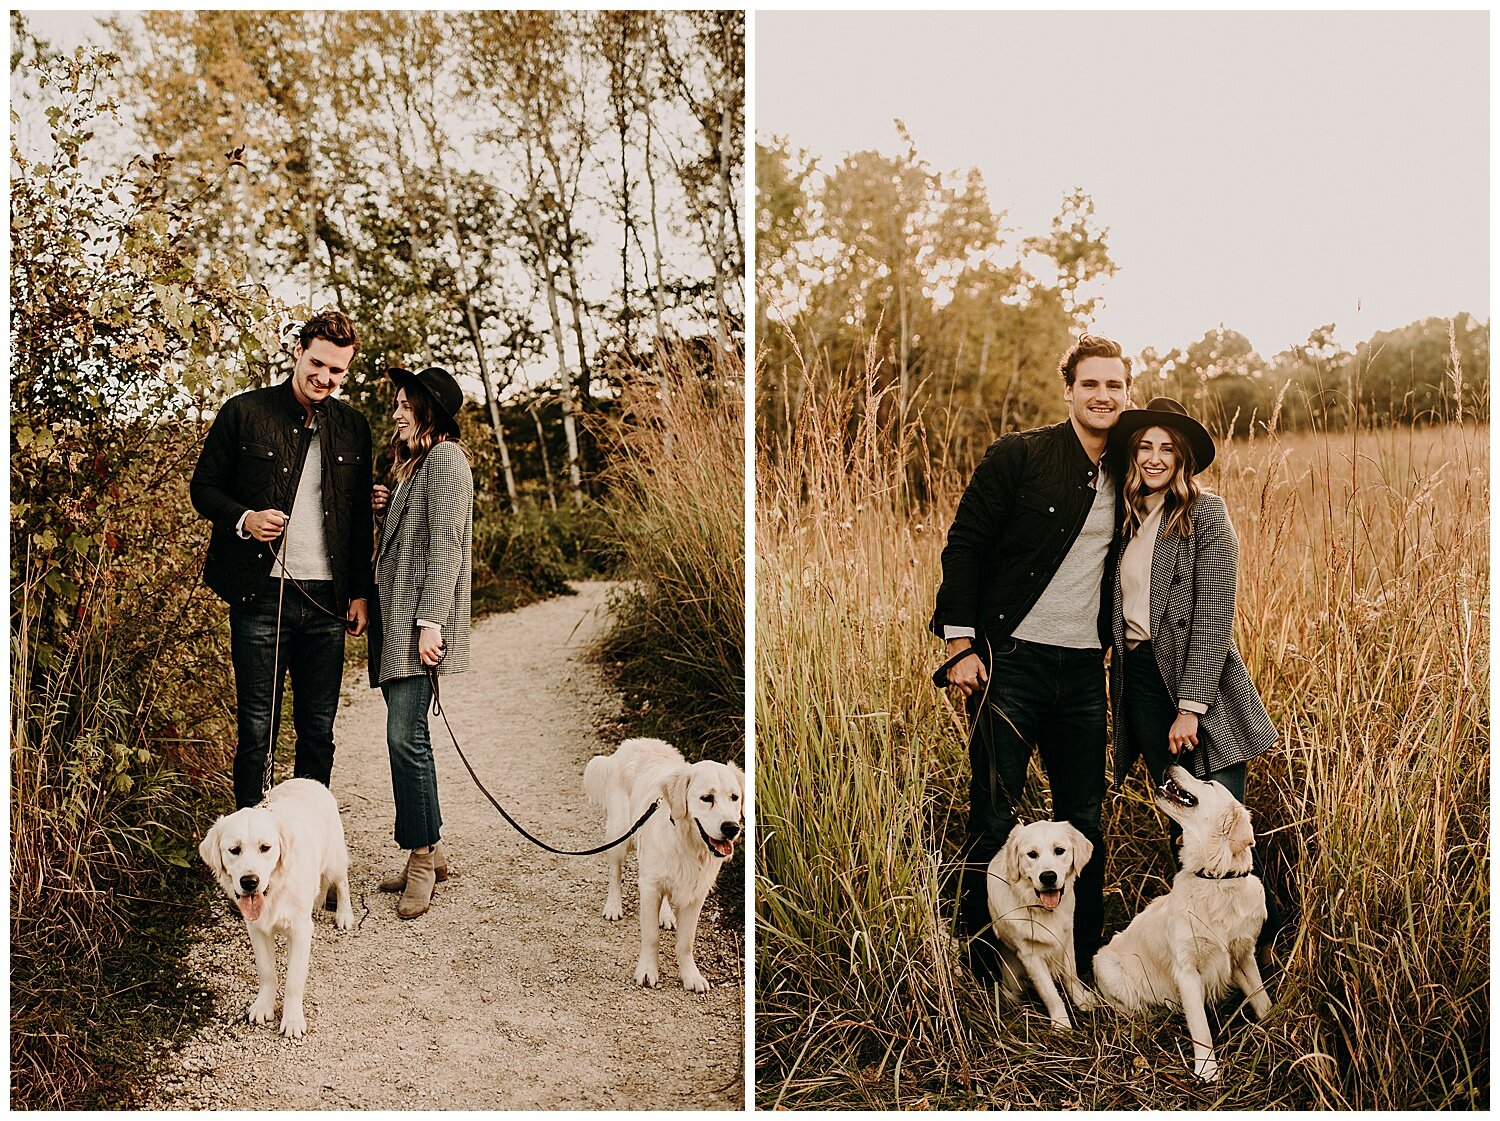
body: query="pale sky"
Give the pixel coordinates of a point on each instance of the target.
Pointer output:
(1271, 171)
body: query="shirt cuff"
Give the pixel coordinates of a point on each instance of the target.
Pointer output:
(439, 627)
(239, 526)
(1194, 707)
(950, 633)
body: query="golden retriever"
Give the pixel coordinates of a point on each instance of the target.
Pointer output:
(277, 862)
(1031, 912)
(1188, 946)
(680, 848)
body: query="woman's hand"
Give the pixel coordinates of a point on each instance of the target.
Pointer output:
(380, 497)
(430, 647)
(1183, 735)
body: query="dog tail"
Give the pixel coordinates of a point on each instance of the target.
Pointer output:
(596, 779)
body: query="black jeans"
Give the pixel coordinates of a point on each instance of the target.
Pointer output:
(1149, 713)
(312, 651)
(1051, 698)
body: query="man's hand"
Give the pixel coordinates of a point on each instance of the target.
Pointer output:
(265, 525)
(1183, 735)
(430, 646)
(359, 616)
(967, 675)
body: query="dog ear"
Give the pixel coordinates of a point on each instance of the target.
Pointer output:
(675, 791)
(208, 849)
(739, 779)
(1010, 855)
(1083, 851)
(1238, 830)
(286, 844)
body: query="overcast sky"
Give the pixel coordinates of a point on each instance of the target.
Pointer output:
(1273, 171)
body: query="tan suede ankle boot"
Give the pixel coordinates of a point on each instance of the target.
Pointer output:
(396, 881)
(421, 876)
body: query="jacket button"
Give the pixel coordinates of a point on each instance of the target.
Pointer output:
(1051, 509)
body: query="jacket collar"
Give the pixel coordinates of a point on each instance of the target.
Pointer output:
(286, 398)
(1078, 458)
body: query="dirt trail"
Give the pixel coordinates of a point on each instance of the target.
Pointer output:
(512, 992)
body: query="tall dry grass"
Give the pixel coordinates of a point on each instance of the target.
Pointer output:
(676, 509)
(1364, 620)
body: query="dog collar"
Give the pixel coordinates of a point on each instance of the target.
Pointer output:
(1226, 876)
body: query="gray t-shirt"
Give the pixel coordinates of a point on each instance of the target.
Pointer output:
(1068, 612)
(304, 545)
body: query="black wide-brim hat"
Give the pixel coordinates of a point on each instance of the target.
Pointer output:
(439, 386)
(1162, 411)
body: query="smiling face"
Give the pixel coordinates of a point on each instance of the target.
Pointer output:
(1098, 393)
(405, 418)
(1156, 458)
(716, 803)
(243, 850)
(320, 370)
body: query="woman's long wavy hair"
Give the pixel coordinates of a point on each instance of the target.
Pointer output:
(1182, 488)
(405, 457)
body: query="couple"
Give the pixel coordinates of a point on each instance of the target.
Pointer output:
(285, 478)
(1088, 534)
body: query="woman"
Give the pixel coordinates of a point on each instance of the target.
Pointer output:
(1180, 688)
(422, 573)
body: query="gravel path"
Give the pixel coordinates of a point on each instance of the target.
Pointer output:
(512, 992)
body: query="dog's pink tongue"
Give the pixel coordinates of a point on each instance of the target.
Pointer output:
(724, 849)
(250, 906)
(1050, 899)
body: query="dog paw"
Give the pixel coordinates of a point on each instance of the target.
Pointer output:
(1207, 1069)
(1061, 1023)
(614, 910)
(263, 1011)
(694, 982)
(645, 975)
(666, 920)
(293, 1023)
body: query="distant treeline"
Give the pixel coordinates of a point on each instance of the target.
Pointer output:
(881, 276)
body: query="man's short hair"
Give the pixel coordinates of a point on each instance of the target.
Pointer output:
(1090, 346)
(334, 326)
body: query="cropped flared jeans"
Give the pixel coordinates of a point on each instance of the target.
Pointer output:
(413, 771)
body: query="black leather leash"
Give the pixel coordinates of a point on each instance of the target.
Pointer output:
(437, 710)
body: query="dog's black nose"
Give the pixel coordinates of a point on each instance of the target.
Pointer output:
(730, 830)
(249, 883)
(1049, 878)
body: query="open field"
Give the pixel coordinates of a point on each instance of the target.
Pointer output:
(1364, 619)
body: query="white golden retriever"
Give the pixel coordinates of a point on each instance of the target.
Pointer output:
(1188, 946)
(680, 848)
(1031, 911)
(277, 862)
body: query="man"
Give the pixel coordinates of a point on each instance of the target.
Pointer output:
(1021, 609)
(285, 478)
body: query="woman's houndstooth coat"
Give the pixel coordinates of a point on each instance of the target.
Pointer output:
(1192, 634)
(423, 565)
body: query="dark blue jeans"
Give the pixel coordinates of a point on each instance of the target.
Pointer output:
(1050, 698)
(312, 652)
(413, 773)
(1149, 713)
